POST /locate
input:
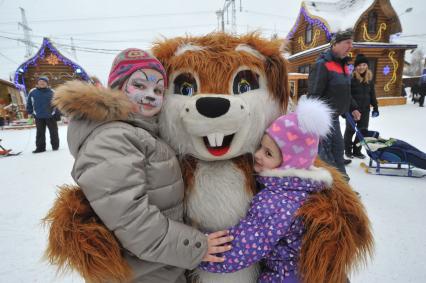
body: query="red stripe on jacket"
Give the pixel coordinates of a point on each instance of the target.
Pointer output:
(336, 67)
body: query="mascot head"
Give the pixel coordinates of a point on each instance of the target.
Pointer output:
(223, 92)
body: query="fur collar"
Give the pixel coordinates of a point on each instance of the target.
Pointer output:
(313, 173)
(80, 100)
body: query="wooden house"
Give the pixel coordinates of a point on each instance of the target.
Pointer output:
(373, 22)
(48, 62)
(297, 83)
(12, 104)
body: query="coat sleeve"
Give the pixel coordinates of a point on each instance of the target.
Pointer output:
(317, 80)
(55, 111)
(373, 99)
(254, 238)
(110, 170)
(30, 109)
(354, 105)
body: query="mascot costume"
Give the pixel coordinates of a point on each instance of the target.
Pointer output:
(223, 92)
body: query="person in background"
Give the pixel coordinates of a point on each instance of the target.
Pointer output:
(330, 81)
(39, 105)
(363, 95)
(422, 91)
(403, 91)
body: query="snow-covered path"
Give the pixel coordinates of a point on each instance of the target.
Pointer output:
(395, 205)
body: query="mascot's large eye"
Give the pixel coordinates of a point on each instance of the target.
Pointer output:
(245, 81)
(185, 84)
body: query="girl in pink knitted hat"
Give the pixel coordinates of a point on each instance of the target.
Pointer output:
(271, 231)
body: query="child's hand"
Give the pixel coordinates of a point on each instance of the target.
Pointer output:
(214, 245)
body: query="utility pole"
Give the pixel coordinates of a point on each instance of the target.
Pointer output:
(234, 18)
(74, 52)
(229, 4)
(220, 24)
(27, 36)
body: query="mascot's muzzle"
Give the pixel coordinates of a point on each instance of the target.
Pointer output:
(212, 107)
(214, 122)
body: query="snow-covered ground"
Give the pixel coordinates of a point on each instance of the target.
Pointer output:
(396, 205)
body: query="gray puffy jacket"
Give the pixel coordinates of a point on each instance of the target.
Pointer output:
(132, 180)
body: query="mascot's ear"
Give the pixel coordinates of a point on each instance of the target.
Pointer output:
(276, 73)
(165, 49)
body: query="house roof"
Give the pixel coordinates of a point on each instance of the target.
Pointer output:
(332, 12)
(8, 83)
(47, 44)
(341, 15)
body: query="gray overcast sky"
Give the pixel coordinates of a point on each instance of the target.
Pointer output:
(112, 24)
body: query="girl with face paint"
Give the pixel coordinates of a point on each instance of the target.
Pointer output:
(145, 88)
(130, 177)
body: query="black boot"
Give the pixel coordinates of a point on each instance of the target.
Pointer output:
(359, 155)
(38, 150)
(356, 152)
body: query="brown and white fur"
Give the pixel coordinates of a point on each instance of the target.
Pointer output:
(220, 187)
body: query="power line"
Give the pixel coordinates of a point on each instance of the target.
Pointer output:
(269, 15)
(79, 48)
(137, 30)
(11, 60)
(125, 31)
(19, 40)
(114, 17)
(262, 28)
(82, 47)
(85, 39)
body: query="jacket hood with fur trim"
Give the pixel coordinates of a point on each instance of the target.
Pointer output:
(313, 173)
(79, 100)
(89, 107)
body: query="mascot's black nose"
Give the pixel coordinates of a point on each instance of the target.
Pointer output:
(212, 107)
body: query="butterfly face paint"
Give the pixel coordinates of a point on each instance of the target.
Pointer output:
(145, 88)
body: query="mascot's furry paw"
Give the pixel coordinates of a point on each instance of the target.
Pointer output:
(78, 240)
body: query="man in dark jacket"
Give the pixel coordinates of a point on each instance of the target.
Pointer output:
(330, 81)
(40, 107)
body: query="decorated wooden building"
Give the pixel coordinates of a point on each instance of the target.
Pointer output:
(374, 23)
(12, 104)
(48, 62)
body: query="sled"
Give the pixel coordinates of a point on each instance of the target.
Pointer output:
(7, 152)
(398, 159)
(392, 171)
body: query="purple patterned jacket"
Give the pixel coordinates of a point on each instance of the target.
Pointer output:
(270, 231)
